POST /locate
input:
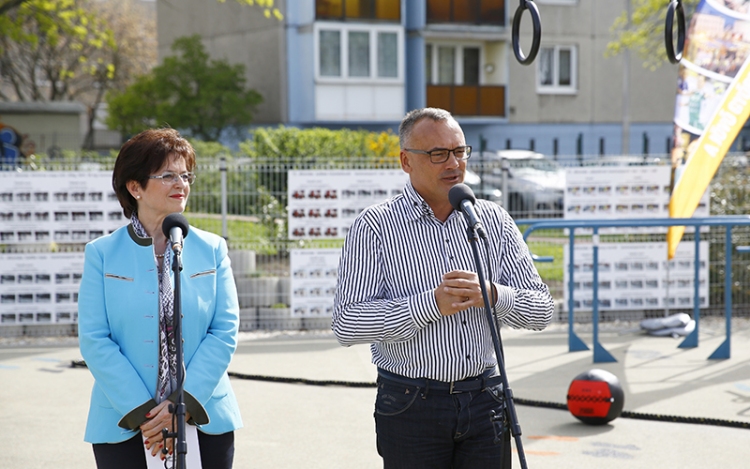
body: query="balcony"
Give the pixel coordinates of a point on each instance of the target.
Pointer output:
(462, 100)
(478, 12)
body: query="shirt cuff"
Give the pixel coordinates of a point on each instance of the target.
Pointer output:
(506, 299)
(424, 309)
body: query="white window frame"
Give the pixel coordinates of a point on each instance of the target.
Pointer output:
(458, 77)
(373, 30)
(555, 87)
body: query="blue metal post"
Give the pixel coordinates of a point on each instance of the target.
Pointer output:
(575, 344)
(723, 351)
(691, 340)
(601, 355)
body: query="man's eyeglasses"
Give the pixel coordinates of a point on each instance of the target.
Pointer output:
(169, 178)
(441, 155)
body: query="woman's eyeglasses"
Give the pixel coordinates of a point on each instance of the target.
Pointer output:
(169, 178)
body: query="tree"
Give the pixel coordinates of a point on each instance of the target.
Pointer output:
(52, 49)
(644, 31)
(134, 32)
(82, 48)
(9, 5)
(187, 91)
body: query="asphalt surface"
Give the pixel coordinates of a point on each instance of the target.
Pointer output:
(44, 401)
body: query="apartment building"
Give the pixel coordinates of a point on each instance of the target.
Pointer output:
(365, 63)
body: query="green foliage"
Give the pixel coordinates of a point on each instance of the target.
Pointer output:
(267, 5)
(187, 91)
(63, 43)
(317, 148)
(644, 33)
(729, 193)
(299, 145)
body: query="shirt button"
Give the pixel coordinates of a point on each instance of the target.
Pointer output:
(464, 323)
(468, 356)
(451, 258)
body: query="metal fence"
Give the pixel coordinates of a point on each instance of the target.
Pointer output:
(246, 200)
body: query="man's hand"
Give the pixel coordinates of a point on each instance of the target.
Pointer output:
(459, 291)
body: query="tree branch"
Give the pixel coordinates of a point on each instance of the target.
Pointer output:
(10, 5)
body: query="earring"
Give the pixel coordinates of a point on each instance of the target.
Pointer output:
(137, 196)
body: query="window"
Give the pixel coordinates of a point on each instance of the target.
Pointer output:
(330, 53)
(449, 64)
(556, 73)
(359, 52)
(387, 55)
(341, 10)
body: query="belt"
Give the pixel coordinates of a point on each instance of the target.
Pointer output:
(477, 383)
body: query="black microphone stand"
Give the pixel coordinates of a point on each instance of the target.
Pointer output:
(180, 442)
(509, 408)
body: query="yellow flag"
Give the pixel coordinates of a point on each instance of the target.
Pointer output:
(707, 153)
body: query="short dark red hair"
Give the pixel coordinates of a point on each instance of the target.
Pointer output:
(142, 156)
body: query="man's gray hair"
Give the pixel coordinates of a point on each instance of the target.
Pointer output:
(412, 117)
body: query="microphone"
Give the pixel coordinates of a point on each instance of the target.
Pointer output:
(462, 199)
(175, 227)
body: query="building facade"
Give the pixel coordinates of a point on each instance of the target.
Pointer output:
(365, 63)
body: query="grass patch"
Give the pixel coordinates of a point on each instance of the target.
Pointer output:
(549, 271)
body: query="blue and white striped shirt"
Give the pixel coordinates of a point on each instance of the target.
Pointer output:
(394, 257)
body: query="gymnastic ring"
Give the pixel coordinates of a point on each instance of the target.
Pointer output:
(675, 8)
(536, 37)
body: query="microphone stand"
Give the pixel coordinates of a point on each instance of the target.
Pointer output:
(509, 408)
(180, 443)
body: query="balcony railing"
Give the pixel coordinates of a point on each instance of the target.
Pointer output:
(489, 12)
(472, 100)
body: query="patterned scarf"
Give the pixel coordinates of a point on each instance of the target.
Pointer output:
(167, 351)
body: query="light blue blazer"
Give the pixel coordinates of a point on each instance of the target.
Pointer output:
(118, 327)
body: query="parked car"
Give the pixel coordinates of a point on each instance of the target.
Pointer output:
(535, 183)
(482, 191)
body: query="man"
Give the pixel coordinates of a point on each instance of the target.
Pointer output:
(407, 285)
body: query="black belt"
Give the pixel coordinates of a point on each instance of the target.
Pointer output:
(477, 383)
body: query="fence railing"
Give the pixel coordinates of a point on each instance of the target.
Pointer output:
(600, 353)
(247, 203)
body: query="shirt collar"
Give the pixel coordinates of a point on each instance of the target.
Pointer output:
(417, 207)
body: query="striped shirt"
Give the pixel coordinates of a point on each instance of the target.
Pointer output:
(394, 257)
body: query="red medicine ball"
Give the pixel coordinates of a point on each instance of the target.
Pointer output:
(595, 397)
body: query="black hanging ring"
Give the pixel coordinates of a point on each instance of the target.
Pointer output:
(536, 31)
(675, 8)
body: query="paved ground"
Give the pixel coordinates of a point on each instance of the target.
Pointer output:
(44, 401)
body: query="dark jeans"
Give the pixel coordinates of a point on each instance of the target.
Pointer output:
(217, 452)
(427, 429)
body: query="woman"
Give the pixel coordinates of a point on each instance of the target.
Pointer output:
(126, 311)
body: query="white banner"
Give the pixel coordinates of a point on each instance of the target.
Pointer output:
(323, 204)
(39, 288)
(57, 206)
(635, 276)
(313, 283)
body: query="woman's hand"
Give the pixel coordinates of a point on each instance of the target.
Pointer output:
(159, 418)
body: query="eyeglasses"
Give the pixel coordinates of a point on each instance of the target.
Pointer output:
(441, 155)
(169, 178)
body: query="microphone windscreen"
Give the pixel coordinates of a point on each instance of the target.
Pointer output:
(459, 193)
(175, 220)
